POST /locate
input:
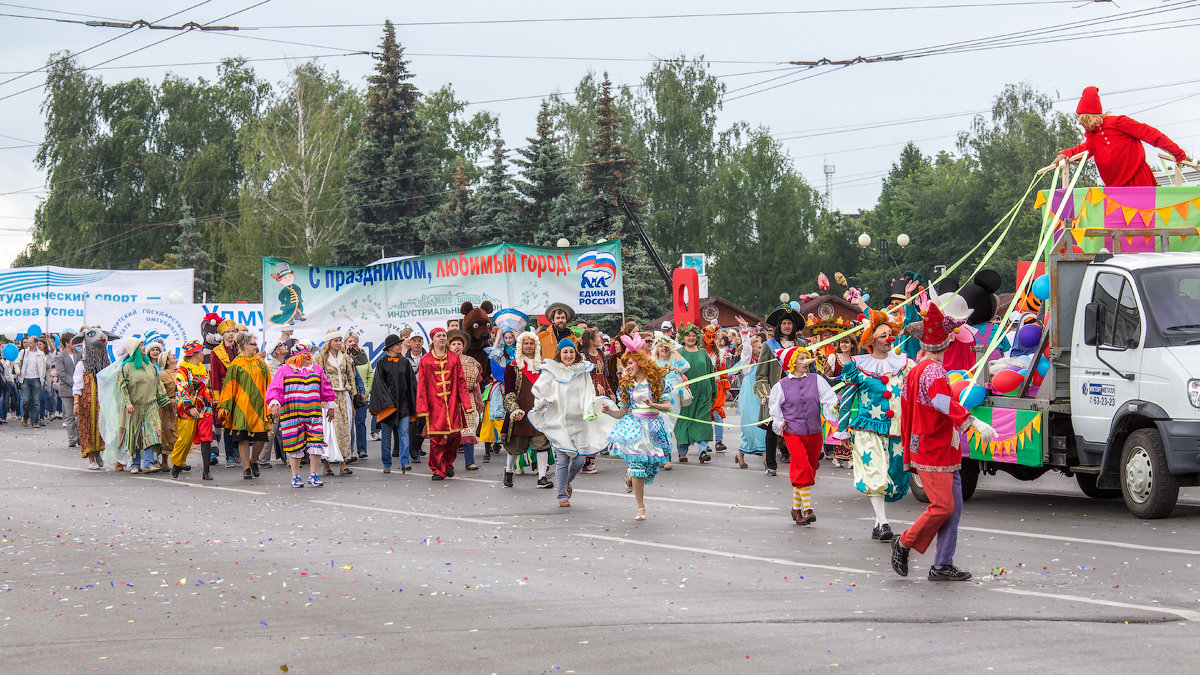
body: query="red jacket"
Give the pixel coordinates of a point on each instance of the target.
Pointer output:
(217, 366)
(442, 395)
(931, 420)
(1116, 145)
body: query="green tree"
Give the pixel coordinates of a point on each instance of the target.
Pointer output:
(546, 178)
(676, 121)
(191, 251)
(444, 227)
(764, 224)
(293, 200)
(495, 218)
(394, 169)
(453, 137)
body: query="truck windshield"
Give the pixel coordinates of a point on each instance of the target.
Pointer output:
(1173, 296)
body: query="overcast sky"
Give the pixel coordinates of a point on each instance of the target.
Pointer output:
(815, 116)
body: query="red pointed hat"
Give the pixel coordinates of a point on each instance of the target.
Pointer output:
(1089, 103)
(937, 329)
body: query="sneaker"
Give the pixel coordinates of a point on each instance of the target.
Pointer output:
(346, 472)
(315, 481)
(93, 465)
(589, 466)
(362, 455)
(508, 479)
(212, 461)
(264, 464)
(947, 573)
(721, 447)
(135, 470)
(387, 469)
(545, 483)
(374, 435)
(683, 460)
(883, 532)
(297, 482)
(771, 472)
(352, 459)
(254, 470)
(900, 558)
(247, 474)
(230, 462)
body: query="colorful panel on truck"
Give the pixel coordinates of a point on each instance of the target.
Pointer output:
(1165, 206)
(1018, 436)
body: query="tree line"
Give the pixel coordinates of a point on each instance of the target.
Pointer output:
(215, 174)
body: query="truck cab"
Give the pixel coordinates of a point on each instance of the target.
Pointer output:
(1134, 378)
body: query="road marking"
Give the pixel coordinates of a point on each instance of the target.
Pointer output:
(1074, 540)
(408, 513)
(1186, 614)
(726, 554)
(622, 495)
(142, 477)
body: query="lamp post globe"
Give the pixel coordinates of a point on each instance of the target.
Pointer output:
(864, 240)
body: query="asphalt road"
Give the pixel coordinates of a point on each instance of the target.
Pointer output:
(108, 572)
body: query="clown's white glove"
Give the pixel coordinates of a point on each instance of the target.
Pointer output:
(985, 430)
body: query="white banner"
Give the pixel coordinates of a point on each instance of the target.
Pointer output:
(175, 324)
(53, 298)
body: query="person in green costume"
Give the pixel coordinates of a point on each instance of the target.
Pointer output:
(291, 304)
(693, 425)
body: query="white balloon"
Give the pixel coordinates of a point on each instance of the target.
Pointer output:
(175, 298)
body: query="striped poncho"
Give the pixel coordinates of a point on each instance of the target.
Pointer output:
(243, 394)
(302, 394)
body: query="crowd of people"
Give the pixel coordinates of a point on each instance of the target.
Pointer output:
(547, 399)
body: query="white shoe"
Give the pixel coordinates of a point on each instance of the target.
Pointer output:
(93, 465)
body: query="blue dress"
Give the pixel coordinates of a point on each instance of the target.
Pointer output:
(641, 438)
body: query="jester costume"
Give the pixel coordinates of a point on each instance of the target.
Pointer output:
(875, 385)
(303, 394)
(193, 406)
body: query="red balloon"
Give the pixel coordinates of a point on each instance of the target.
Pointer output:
(958, 387)
(1006, 381)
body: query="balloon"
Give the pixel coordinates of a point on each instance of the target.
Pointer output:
(1007, 381)
(11, 331)
(35, 331)
(973, 396)
(866, 297)
(1043, 366)
(175, 298)
(794, 305)
(955, 376)
(1029, 335)
(959, 387)
(1041, 287)
(965, 333)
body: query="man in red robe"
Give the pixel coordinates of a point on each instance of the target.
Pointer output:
(933, 426)
(442, 401)
(1115, 142)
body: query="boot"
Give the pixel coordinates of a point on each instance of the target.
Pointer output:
(508, 479)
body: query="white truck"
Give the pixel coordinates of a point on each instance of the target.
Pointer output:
(1119, 408)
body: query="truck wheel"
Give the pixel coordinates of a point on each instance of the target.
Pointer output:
(1087, 483)
(969, 474)
(1149, 489)
(918, 492)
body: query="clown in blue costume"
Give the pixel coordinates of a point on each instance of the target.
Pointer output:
(874, 381)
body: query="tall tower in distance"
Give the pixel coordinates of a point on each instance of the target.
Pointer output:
(829, 170)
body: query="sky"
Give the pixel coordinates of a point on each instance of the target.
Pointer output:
(855, 118)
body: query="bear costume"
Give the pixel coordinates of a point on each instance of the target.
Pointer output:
(477, 323)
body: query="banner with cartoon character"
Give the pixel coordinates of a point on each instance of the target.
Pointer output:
(175, 324)
(423, 292)
(53, 298)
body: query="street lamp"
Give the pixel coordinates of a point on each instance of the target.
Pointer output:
(885, 255)
(563, 243)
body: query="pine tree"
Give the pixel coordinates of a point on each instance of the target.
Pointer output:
(495, 218)
(609, 172)
(443, 228)
(392, 173)
(547, 179)
(191, 252)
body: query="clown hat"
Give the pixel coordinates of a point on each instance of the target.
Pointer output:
(1089, 102)
(791, 356)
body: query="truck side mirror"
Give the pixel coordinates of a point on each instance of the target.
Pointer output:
(1093, 323)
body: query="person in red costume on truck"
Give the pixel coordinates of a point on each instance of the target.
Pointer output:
(1115, 142)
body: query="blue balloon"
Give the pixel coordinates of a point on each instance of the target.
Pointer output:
(1043, 366)
(35, 331)
(973, 396)
(1041, 287)
(11, 352)
(794, 305)
(866, 297)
